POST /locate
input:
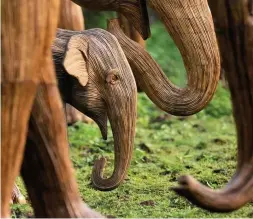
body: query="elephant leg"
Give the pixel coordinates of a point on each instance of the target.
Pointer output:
(46, 168)
(234, 22)
(16, 102)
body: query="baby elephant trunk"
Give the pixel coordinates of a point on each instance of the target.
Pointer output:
(122, 117)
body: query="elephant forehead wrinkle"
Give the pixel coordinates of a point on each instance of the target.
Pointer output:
(103, 56)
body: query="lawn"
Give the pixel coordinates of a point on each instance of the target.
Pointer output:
(203, 145)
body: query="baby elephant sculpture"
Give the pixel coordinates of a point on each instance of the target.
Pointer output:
(95, 77)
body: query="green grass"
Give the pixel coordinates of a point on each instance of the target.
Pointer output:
(203, 145)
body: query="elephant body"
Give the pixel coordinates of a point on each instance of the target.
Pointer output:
(28, 80)
(95, 77)
(31, 104)
(234, 29)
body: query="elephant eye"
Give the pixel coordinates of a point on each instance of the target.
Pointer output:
(112, 77)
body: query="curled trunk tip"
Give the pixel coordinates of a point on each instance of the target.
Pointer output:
(101, 183)
(237, 193)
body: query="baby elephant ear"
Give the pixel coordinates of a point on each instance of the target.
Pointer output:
(75, 60)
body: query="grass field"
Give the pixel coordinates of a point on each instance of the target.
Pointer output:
(203, 145)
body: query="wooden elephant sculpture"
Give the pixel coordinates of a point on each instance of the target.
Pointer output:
(29, 91)
(71, 18)
(94, 76)
(234, 28)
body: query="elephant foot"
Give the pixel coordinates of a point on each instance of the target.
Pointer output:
(16, 196)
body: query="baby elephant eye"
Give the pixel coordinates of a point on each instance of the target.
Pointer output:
(112, 76)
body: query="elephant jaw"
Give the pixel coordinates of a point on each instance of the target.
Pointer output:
(102, 124)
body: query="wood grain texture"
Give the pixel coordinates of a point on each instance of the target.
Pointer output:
(110, 92)
(130, 31)
(201, 59)
(134, 10)
(234, 28)
(25, 45)
(16, 103)
(47, 171)
(29, 27)
(71, 18)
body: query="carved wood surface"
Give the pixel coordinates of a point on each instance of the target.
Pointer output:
(234, 28)
(27, 73)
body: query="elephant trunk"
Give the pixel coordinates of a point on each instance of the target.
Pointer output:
(191, 26)
(122, 117)
(134, 10)
(234, 24)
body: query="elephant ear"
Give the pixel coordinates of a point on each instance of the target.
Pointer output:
(75, 60)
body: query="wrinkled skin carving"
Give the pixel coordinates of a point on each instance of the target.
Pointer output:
(95, 77)
(29, 91)
(134, 10)
(190, 25)
(234, 26)
(71, 18)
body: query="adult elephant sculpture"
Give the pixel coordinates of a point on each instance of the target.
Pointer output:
(95, 77)
(234, 25)
(70, 17)
(29, 86)
(191, 26)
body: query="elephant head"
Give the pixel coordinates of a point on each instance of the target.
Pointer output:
(95, 77)
(190, 25)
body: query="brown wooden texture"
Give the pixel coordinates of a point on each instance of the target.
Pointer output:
(202, 64)
(101, 85)
(234, 27)
(16, 103)
(134, 10)
(130, 31)
(25, 44)
(29, 27)
(71, 18)
(47, 170)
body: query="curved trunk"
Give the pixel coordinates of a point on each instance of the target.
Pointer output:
(191, 26)
(130, 31)
(234, 23)
(134, 10)
(122, 117)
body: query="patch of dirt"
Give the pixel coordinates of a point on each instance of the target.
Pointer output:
(148, 203)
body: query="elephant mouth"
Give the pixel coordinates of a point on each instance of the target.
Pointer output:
(103, 127)
(101, 119)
